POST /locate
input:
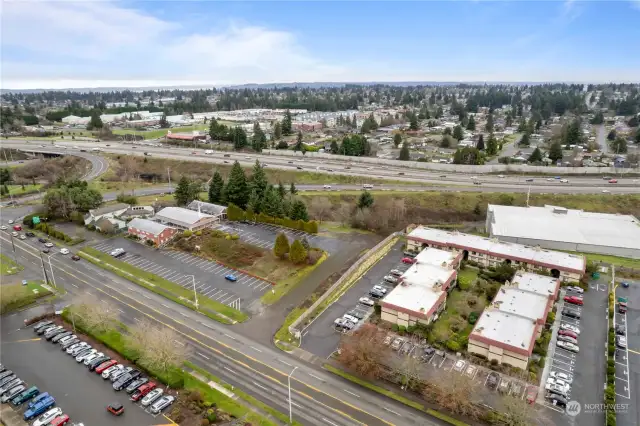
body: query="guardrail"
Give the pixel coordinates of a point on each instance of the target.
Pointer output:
(343, 283)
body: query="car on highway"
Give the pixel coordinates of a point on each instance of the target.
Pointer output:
(29, 234)
(64, 251)
(366, 301)
(564, 180)
(326, 186)
(575, 289)
(568, 346)
(529, 180)
(151, 397)
(570, 327)
(75, 257)
(48, 245)
(625, 284)
(574, 300)
(23, 237)
(115, 408)
(3, 227)
(613, 180)
(161, 404)
(14, 234)
(48, 416)
(231, 277)
(17, 228)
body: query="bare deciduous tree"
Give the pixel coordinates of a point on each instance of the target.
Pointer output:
(364, 351)
(158, 347)
(95, 315)
(455, 392)
(320, 208)
(517, 412)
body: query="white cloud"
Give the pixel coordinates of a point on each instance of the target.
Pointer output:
(87, 44)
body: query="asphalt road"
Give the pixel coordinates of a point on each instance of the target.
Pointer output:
(81, 394)
(318, 397)
(399, 173)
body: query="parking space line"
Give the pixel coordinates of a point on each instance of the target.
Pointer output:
(265, 287)
(221, 296)
(230, 297)
(211, 295)
(210, 291)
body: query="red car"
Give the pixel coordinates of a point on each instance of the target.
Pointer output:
(60, 420)
(574, 300)
(17, 228)
(613, 180)
(532, 393)
(408, 260)
(105, 365)
(115, 408)
(568, 333)
(142, 391)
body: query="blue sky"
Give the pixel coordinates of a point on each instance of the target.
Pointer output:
(98, 44)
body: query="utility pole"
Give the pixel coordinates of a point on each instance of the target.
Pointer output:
(169, 177)
(289, 383)
(528, 195)
(53, 278)
(44, 271)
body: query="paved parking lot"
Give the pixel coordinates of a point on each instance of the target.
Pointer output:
(264, 235)
(321, 337)
(628, 359)
(81, 394)
(183, 268)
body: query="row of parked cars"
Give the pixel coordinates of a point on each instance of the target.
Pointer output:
(138, 387)
(39, 407)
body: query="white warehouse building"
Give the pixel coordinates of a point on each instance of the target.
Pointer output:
(559, 228)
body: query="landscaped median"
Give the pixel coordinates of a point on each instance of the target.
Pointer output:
(165, 288)
(406, 401)
(8, 266)
(17, 296)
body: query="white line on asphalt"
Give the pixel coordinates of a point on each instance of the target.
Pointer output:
(183, 314)
(293, 403)
(89, 293)
(145, 296)
(74, 285)
(178, 342)
(230, 337)
(285, 362)
(227, 298)
(121, 311)
(316, 377)
(620, 378)
(206, 325)
(351, 393)
(202, 355)
(260, 386)
(391, 411)
(220, 297)
(255, 349)
(166, 306)
(228, 369)
(624, 396)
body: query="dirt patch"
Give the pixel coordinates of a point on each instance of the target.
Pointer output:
(220, 246)
(51, 169)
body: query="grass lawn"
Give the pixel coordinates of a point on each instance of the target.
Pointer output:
(406, 401)
(16, 296)
(336, 227)
(126, 187)
(158, 133)
(614, 260)
(17, 190)
(161, 286)
(8, 266)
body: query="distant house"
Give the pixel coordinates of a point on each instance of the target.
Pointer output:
(110, 225)
(219, 212)
(108, 212)
(184, 218)
(149, 230)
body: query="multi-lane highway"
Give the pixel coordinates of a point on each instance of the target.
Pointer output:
(420, 179)
(318, 397)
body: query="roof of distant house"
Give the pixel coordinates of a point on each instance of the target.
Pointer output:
(108, 209)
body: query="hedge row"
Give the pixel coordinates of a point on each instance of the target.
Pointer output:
(236, 213)
(53, 232)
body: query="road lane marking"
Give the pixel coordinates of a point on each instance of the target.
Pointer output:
(351, 393)
(260, 386)
(255, 349)
(285, 362)
(228, 369)
(329, 421)
(391, 411)
(203, 355)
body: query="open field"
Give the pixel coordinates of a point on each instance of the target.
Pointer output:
(158, 133)
(18, 190)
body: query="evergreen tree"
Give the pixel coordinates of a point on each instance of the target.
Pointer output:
(365, 200)
(598, 118)
(95, 122)
(404, 152)
(445, 142)
(413, 122)
(239, 138)
(354, 122)
(259, 139)
(555, 152)
(163, 121)
(480, 144)
(492, 145)
(237, 189)
(471, 125)
(299, 211)
(298, 145)
(489, 126)
(334, 147)
(182, 192)
(254, 204)
(457, 133)
(286, 123)
(508, 121)
(292, 189)
(637, 138)
(447, 131)
(525, 140)
(439, 112)
(347, 121)
(536, 156)
(297, 253)
(397, 139)
(572, 134)
(612, 135)
(259, 181)
(281, 246)
(282, 191)
(272, 203)
(619, 146)
(215, 188)
(277, 130)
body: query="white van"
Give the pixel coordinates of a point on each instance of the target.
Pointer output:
(208, 151)
(95, 149)
(367, 186)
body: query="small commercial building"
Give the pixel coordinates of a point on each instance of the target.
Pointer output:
(560, 228)
(219, 212)
(491, 252)
(421, 292)
(185, 219)
(149, 230)
(107, 212)
(508, 328)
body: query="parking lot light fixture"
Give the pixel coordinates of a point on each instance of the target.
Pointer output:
(289, 383)
(195, 295)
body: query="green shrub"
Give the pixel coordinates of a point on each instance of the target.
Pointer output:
(198, 233)
(551, 318)
(395, 327)
(187, 233)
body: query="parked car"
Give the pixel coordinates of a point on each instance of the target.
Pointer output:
(60, 336)
(621, 342)
(558, 400)
(356, 313)
(231, 277)
(557, 375)
(115, 408)
(571, 313)
(25, 396)
(94, 363)
(350, 318)
(574, 300)
(380, 289)
(46, 328)
(575, 289)
(38, 408)
(133, 386)
(568, 346)
(620, 329)
(505, 386)
(492, 380)
(625, 284)
(161, 404)
(29, 234)
(567, 333)
(366, 301)
(390, 279)
(570, 327)
(48, 416)
(41, 324)
(459, 365)
(75, 257)
(105, 365)
(388, 340)
(42, 240)
(10, 385)
(12, 393)
(375, 293)
(397, 343)
(76, 348)
(151, 397)
(85, 354)
(142, 391)
(118, 252)
(568, 339)
(532, 394)
(62, 420)
(68, 342)
(395, 272)
(107, 373)
(122, 381)
(53, 331)
(408, 260)
(49, 245)
(119, 373)
(64, 251)
(7, 379)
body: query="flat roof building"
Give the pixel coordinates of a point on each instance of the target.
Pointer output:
(565, 229)
(184, 218)
(492, 252)
(421, 292)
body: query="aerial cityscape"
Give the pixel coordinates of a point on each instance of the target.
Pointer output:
(320, 213)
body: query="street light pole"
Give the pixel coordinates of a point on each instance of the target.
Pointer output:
(195, 295)
(289, 383)
(53, 278)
